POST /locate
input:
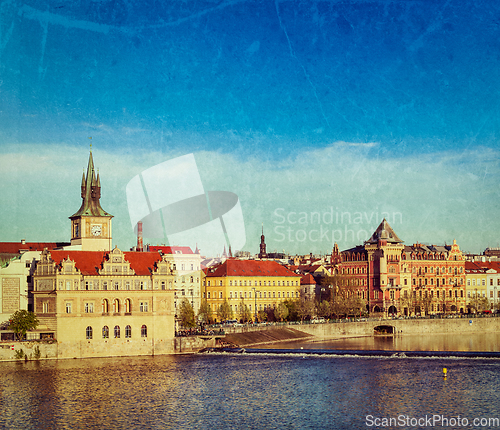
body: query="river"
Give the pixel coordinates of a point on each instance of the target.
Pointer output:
(285, 390)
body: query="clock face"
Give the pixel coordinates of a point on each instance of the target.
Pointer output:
(96, 230)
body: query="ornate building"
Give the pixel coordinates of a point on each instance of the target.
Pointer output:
(101, 302)
(396, 279)
(105, 303)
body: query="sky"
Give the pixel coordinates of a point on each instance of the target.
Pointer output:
(323, 117)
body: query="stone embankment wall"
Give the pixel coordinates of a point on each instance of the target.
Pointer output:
(189, 344)
(246, 336)
(413, 327)
(30, 351)
(41, 350)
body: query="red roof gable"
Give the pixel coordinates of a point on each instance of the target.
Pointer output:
(234, 267)
(481, 266)
(16, 247)
(307, 280)
(90, 262)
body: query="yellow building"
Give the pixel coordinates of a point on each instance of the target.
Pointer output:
(100, 302)
(258, 284)
(105, 304)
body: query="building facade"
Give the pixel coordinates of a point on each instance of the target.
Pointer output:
(396, 279)
(188, 273)
(257, 284)
(100, 303)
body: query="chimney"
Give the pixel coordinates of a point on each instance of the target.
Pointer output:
(23, 241)
(139, 237)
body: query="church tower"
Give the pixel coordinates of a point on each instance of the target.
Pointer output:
(91, 225)
(262, 253)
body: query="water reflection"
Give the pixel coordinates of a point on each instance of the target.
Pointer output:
(240, 391)
(489, 342)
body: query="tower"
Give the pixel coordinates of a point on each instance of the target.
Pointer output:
(262, 253)
(91, 225)
(384, 250)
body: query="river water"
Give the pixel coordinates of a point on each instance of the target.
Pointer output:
(288, 389)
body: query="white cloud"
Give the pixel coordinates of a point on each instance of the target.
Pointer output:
(440, 197)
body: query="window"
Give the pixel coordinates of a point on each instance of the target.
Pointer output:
(220, 294)
(128, 332)
(143, 306)
(116, 332)
(45, 307)
(88, 332)
(128, 306)
(105, 332)
(89, 307)
(144, 331)
(88, 285)
(127, 285)
(68, 285)
(68, 308)
(105, 285)
(116, 306)
(117, 285)
(162, 285)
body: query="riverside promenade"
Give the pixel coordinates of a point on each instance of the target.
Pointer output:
(260, 334)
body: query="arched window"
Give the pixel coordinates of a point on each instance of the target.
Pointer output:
(117, 332)
(144, 331)
(88, 332)
(105, 306)
(105, 332)
(128, 332)
(128, 306)
(116, 306)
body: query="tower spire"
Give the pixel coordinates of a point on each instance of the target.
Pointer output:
(91, 192)
(262, 253)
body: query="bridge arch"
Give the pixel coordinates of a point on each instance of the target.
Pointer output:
(383, 330)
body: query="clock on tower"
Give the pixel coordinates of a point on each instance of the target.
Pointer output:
(91, 225)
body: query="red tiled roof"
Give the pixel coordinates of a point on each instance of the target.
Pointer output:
(90, 262)
(307, 280)
(16, 247)
(481, 266)
(171, 249)
(234, 267)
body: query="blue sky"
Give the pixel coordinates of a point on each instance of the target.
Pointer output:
(303, 109)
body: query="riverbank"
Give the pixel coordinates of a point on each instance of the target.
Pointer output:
(247, 336)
